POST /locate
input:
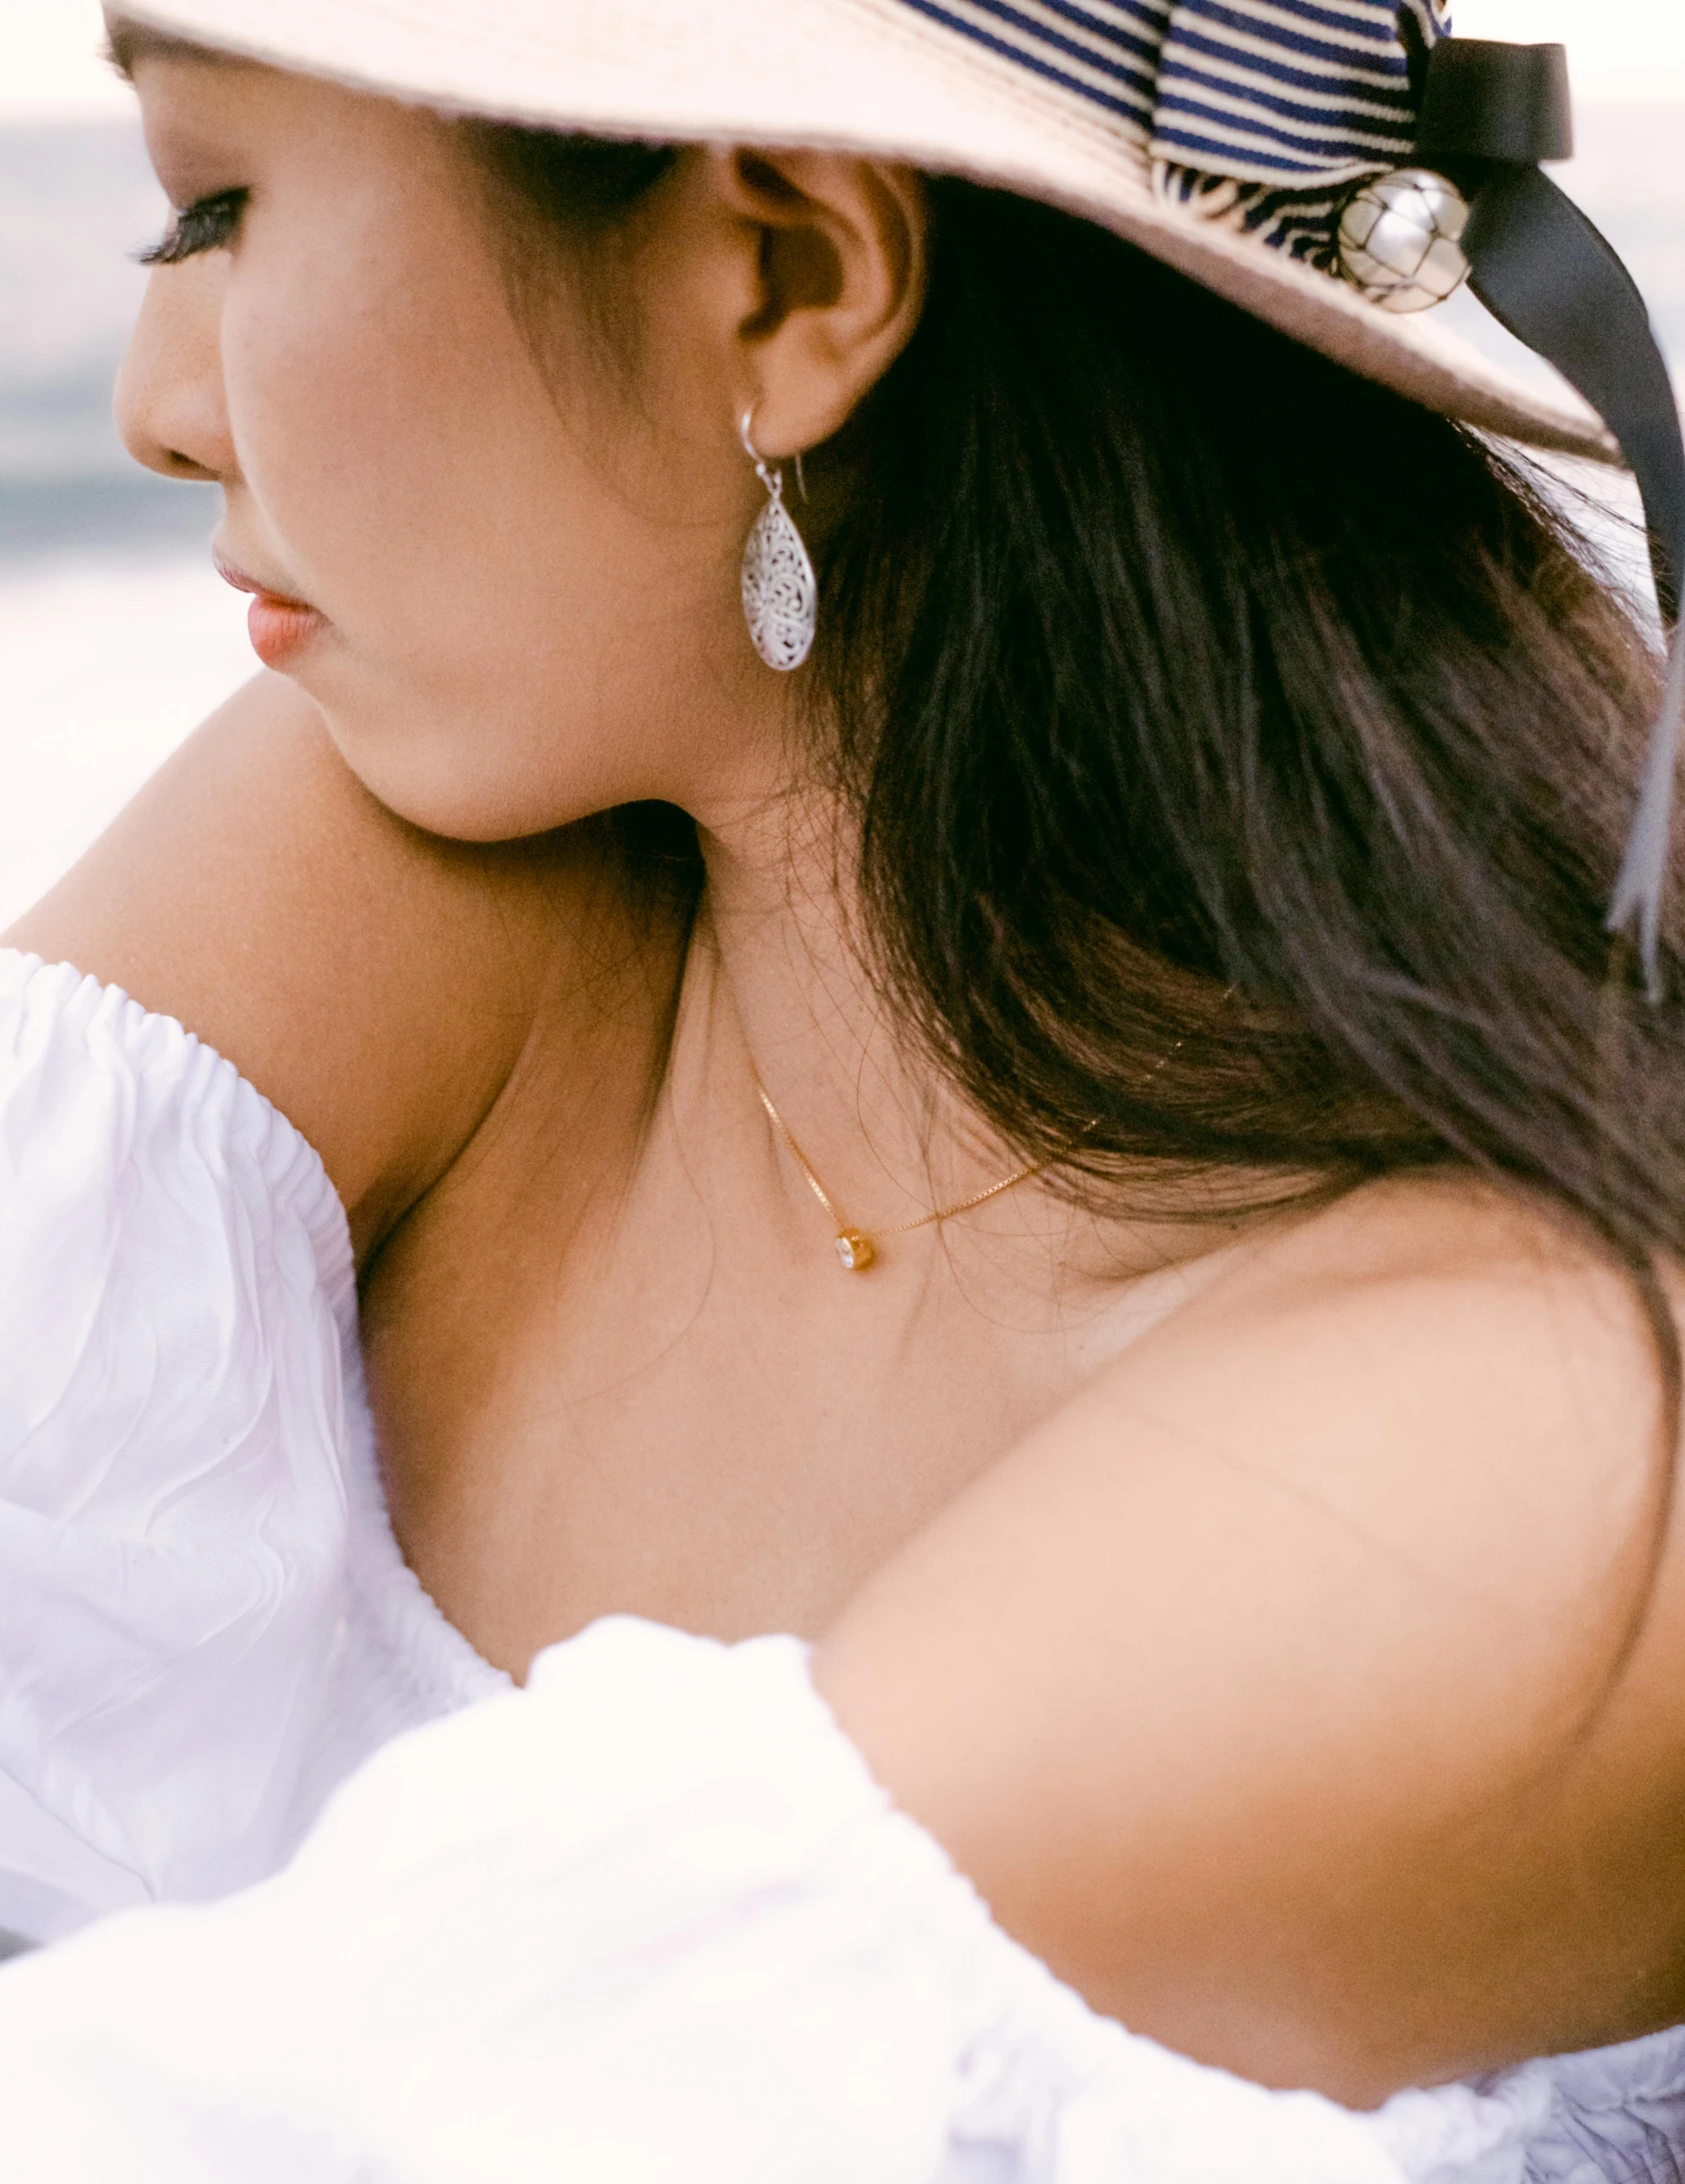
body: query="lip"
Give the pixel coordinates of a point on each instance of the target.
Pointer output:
(275, 623)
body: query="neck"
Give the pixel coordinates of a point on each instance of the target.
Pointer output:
(888, 1136)
(788, 999)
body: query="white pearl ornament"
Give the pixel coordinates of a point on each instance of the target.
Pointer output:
(1401, 240)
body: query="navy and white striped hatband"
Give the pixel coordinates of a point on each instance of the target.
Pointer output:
(1262, 112)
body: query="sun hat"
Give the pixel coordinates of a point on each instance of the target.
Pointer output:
(1101, 107)
(1328, 165)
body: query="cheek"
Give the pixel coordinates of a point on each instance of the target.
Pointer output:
(417, 479)
(386, 430)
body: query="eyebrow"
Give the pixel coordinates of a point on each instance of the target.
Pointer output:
(127, 43)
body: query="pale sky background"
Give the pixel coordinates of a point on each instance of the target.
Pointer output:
(1618, 49)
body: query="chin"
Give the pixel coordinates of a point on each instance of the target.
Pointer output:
(457, 778)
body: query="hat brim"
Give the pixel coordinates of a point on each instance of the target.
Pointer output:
(867, 76)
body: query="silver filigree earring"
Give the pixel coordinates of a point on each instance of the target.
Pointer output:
(780, 591)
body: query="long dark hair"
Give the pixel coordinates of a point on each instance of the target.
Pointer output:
(1241, 753)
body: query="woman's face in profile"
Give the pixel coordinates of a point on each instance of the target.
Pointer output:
(517, 550)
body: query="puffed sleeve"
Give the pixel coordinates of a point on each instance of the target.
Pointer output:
(177, 1335)
(650, 1918)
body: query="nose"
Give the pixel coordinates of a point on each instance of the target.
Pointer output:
(171, 409)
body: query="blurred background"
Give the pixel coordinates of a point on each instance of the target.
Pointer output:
(115, 636)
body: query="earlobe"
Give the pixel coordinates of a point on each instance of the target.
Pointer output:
(841, 263)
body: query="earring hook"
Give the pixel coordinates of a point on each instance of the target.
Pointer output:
(771, 477)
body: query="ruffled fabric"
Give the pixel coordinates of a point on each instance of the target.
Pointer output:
(204, 1619)
(1612, 2116)
(650, 1917)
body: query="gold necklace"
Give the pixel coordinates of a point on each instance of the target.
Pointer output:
(856, 1250)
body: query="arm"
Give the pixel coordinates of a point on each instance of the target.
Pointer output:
(374, 983)
(1273, 1692)
(652, 1915)
(646, 1918)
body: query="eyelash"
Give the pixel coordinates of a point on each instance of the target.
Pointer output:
(209, 223)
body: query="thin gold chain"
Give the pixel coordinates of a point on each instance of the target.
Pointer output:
(857, 1246)
(901, 1228)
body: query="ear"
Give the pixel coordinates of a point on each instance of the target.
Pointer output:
(842, 251)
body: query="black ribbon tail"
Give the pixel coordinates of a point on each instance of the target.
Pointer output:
(1642, 881)
(1543, 271)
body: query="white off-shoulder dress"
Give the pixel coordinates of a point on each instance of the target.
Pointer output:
(393, 1921)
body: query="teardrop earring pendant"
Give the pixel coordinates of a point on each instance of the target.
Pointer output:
(780, 589)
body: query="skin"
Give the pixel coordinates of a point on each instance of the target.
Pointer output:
(1250, 1612)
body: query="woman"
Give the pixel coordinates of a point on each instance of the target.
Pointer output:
(1046, 1108)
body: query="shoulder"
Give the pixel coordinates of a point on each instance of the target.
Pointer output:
(1307, 1689)
(1434, 1352)
(376, 983)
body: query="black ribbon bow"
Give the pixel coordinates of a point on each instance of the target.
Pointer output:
(1490, 113)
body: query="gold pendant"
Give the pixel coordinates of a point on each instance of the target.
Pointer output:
(855, 1251)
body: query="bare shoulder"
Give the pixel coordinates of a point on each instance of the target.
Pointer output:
(1307, 1691)
(1439, 1353)
(374, 983)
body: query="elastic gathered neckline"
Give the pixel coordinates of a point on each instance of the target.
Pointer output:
(435, 1652)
